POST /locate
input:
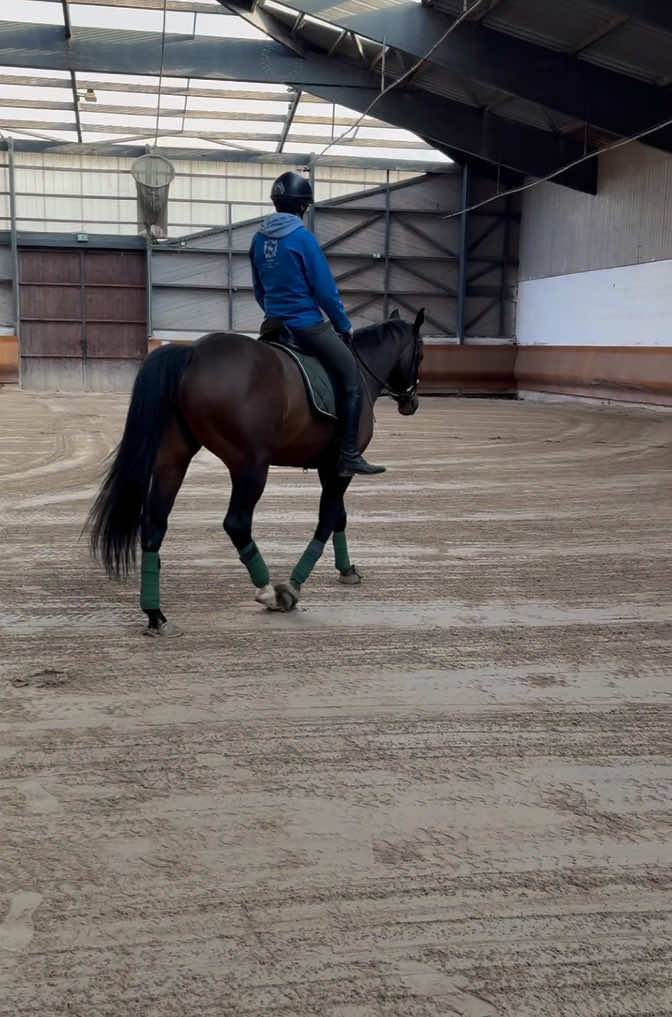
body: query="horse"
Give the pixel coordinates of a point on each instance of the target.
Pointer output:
(246, 402)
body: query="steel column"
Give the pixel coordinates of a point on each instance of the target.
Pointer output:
(311, 177)
(230, 262)
(505, 263)
(82, 297)
(148, 249)
(14, 240)
(463, 256)
(66, 19)
(388, 226)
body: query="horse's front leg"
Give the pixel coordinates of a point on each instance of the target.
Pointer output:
(347, 572)
(247, 487)
(332, 515)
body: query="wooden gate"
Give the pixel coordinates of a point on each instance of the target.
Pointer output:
(83, 318)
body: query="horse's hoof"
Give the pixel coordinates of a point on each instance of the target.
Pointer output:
(164, 628)
(351, 577)
(265, 595)
(287, 596)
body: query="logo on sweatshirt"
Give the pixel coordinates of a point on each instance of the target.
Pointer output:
(270, 249)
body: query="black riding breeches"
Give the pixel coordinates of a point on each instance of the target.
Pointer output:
(323, 342)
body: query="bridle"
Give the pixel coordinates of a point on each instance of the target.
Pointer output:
(408, 393)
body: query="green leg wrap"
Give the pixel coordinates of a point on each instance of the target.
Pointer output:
(341, 556)
(149, 581)
(307, 562)
(255, 565)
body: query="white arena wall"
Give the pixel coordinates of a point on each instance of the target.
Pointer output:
(72, 193)
(594, 312)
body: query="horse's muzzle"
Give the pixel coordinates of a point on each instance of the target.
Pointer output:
(409, 406)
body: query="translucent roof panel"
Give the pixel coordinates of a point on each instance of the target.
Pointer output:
(192, 112)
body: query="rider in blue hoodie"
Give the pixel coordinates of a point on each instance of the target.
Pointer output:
(292, 281)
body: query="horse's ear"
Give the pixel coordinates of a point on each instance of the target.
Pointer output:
(419, 318)
(395, 313)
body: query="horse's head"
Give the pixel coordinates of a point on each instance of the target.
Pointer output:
(404, 378)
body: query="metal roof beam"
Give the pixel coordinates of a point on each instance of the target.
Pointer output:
(302, 159)
(610, 101)
(114, 51)
(145, 89)
(289, 119)
(75, 99)
(316, 140)
(254, 14)
(185, 6)
(199, 114)
(656, 12)
(452, 126)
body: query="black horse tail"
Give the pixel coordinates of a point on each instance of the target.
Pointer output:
(114, 520)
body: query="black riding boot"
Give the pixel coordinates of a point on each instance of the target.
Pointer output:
(350, 460)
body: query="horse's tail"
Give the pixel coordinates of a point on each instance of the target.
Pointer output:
(114, 520)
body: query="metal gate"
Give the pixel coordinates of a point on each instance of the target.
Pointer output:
(83, 318)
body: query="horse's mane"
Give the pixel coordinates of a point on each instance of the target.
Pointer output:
(374, 335)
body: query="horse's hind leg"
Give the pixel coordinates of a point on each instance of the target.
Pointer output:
(247, 487)
(172, 461)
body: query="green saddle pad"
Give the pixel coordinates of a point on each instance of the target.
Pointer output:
(318, 386)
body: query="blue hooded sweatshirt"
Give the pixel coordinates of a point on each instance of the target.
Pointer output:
(292, 279)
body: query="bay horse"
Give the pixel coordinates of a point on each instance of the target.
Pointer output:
(246, 402)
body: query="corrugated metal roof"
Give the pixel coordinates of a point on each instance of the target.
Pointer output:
(452, 86)
(635, 49)
(533, 115)
(561, 26)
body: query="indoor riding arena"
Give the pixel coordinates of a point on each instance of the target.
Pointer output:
(443, 789)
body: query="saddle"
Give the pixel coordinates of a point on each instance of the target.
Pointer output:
(319, 389)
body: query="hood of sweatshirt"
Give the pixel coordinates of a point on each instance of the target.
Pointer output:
(281, 225)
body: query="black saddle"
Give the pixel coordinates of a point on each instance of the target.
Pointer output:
(274, 330)
(319, 387)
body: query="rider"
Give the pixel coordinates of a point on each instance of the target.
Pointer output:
(292, 281)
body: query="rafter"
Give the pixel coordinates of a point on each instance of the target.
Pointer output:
(316, 140)
(185, 6)
(197, 114)
(114, 85)
(289, 119)
(75, 98)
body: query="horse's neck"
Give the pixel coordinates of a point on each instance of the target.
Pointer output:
(380, 359)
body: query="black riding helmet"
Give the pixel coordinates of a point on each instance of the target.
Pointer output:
(292, 193)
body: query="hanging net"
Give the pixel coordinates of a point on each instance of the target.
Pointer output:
(153, 175)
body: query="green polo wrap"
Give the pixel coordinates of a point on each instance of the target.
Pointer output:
(255, 565)
(307, 562)
(341, 556)
(149, 581)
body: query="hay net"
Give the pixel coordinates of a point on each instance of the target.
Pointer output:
(153, 175)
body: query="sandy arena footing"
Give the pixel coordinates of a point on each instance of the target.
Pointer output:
(444, 792)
